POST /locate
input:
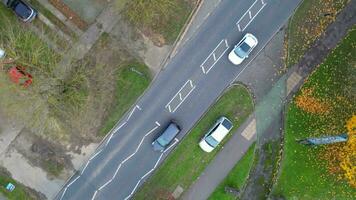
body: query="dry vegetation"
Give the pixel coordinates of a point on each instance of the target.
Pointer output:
(161, 20)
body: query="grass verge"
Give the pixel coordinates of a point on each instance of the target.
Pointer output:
(132, 80)
(305, 173)
(308, 23)
(236, 177)
(188, 161)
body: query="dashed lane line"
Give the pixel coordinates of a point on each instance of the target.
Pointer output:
(126, 159)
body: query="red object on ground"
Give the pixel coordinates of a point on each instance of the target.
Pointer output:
(19, 76)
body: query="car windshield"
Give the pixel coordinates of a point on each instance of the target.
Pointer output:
(211, 141)
(227, 124)
(162, 141)
(22, 10)
(242, 50)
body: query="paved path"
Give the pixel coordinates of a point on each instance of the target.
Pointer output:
(192, 81)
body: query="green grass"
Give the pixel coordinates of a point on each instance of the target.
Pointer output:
(236, 177)
(18, 194)
(188, 161)
(304, 174)
(130, 85)
(308, 23)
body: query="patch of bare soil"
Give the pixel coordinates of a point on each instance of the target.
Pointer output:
(32, 194)
(42, 153)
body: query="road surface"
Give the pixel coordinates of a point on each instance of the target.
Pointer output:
(189, 84)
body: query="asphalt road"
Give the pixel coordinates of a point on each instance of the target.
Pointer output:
(183, 91)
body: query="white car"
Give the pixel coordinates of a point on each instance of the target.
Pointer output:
(243, 49)
(216, 134)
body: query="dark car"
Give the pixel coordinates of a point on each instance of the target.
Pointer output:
(22, 9)
(166, 137)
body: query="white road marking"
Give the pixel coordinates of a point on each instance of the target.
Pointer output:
(251, 18)
(64, 191)
(132, 111)
(72, 182)
(86, 165)
(107, 142)
(96, 191)
(137, 106)
(206, 67)
(117, 170)
(175, 141)
(180, 96)
(183, 99)
(158, 124)
(105, 184)
(151, 170)
(130, 156)
(97, 153)
(119, 127)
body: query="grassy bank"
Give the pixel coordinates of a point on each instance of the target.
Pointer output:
(132, 80)
(308, 23)
(236, 177)
(323, 106)
(188, 161)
